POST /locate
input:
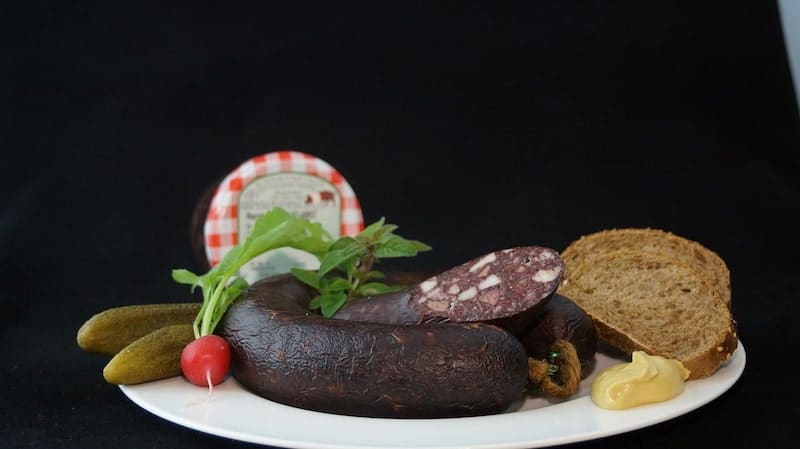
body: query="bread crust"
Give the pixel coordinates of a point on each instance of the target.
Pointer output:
(709, 362)
(581, 258)
(658, 241)
(703, 365)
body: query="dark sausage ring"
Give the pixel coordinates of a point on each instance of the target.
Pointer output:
(284, 353)
(559, 336)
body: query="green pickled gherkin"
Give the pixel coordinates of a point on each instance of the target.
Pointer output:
(154, 356)
(110, 331)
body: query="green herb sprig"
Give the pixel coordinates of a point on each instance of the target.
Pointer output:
(222, 284)
(346, 272)
(352, 257)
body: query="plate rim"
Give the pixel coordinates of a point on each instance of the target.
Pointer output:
(656, 413)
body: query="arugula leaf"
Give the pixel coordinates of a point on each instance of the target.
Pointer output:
(221, 285)
(345, 269)
(183, 276)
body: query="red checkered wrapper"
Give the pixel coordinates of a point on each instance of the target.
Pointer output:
(301, 183)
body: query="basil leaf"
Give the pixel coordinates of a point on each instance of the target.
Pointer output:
(315, 303)
(308, 277)
(350, 267)
(396, 246)
(373, 274)
(335, 257)
(338, 285)
(331, 303)
(384, 232)
(342, 243)
(372, 229)
(354, 257)
(376, 288)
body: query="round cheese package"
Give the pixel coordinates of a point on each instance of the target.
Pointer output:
(302, 184)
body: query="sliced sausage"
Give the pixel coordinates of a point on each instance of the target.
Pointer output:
(496, 285)
(284, 353)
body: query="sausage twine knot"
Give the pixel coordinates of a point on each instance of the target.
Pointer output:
(564, 363)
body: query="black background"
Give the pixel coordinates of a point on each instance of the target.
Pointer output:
(473, 127)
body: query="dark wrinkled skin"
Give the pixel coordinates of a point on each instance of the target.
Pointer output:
(560, 318)
(387, 308)
(284, 353)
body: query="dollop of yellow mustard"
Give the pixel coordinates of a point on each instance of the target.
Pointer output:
(646, 379)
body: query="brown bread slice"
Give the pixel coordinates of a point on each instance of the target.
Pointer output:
(639, 300)
(656, 241)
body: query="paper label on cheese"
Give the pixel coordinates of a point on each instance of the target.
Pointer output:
(306, 196)
(301, 184)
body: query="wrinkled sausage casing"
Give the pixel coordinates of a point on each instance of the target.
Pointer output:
(284, 353)
(560, 318)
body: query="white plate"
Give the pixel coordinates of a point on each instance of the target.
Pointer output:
(232, 412)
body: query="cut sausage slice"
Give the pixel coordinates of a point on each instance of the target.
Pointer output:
(496, 285)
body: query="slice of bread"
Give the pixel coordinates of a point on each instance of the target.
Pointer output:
(658, 242)
(642, 300)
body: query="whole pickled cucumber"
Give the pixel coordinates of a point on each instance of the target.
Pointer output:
(154, 356)
(110, 331)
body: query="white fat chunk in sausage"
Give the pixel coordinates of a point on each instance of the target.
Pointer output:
(427, 285)
(546, 255)
(545, 275)
(468, 294)
(490, 281)
(454, 289)
(432, 295)
(489, 258)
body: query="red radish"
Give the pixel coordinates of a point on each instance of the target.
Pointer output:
(206, 360)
